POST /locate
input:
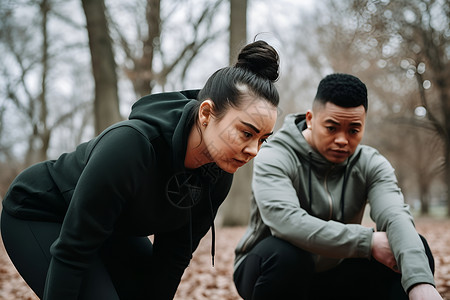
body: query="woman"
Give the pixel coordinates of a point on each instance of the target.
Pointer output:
(77, 227)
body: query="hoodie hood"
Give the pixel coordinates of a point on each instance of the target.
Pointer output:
(168, 115)
(291, 134)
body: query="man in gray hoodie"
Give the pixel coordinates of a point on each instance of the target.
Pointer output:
(311, 184)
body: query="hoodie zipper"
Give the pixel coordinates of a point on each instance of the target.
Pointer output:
(330, 200)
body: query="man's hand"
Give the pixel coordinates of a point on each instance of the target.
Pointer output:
(382, 252)
(424, 291)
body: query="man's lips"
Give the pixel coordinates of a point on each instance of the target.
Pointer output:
(339, 152)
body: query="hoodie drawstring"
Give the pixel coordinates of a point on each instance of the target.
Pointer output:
(191, 183)
(190, 230)
(309, 182)
(213, 231)
(344, 185)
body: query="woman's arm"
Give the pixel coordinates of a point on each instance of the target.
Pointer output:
(107, 182)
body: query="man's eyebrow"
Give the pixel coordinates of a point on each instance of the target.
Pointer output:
(332, 122)
(356, 123)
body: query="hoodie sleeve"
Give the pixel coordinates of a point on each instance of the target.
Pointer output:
(392, 215)
(108, 181)
(275, 173)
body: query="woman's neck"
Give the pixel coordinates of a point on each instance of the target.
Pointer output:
(196, 152)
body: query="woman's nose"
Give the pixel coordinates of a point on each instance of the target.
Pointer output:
(252, 148)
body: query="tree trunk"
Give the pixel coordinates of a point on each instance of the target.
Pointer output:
(447, 174)
(238, 27)
(106, 102)
(446, 109)
(424, 200)
(236, 209)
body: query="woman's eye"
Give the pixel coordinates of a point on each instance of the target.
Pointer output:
(263, 140)
(247, 134)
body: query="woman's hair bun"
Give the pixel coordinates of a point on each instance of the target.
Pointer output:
(260, 58)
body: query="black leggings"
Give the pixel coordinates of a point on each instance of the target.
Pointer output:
(116, 273)
(275, 269)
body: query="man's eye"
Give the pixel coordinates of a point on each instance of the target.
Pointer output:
(354, 131)
(331, 128)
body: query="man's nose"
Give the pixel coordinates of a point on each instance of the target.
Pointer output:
(341, 139)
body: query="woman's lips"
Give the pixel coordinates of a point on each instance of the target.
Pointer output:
(239, 162)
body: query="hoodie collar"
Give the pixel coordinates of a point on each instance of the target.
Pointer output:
(180, 136)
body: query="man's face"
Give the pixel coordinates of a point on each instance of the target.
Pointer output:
(335, 131)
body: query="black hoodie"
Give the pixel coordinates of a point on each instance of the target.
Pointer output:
(121, 182)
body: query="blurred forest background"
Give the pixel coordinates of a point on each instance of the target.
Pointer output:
(70, 68)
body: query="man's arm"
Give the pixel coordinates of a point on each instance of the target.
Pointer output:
(392, 216)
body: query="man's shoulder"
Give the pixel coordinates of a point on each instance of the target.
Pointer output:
(369, 157)
(367, 150)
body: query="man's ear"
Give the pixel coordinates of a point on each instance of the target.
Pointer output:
(309, 116)
(205, 111)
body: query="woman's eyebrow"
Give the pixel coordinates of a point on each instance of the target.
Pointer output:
(251, 126)
(254, 127)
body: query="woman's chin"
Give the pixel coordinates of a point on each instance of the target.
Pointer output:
(231, 167)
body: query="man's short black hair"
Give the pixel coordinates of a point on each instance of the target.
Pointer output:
(343, 90)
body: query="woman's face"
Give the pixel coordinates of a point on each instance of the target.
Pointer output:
(235, 138)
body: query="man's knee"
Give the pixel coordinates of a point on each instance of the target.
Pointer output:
(273, 264)
(280, 254)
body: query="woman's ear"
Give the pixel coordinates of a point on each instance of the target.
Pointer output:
(205, 111)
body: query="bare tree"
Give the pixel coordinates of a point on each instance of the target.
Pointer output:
(428, 167)
(33, 66)
(18, 91)
(238, 27)
(140, 53)
(414, 35)
(106, 101)
(236, 208)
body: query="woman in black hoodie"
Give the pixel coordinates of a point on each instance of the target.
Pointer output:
(77, 227)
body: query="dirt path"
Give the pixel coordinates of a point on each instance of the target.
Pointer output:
(203, 282)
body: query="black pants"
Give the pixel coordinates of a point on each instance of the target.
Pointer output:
(275, 269)
(116, 273)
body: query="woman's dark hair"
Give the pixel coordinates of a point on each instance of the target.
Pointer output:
(343, 90)
(254, 73)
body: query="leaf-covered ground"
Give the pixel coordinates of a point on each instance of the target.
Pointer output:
(203, 282)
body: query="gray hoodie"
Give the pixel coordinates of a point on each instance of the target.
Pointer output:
(318, 206)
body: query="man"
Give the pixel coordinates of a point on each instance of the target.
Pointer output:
(311, 183)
